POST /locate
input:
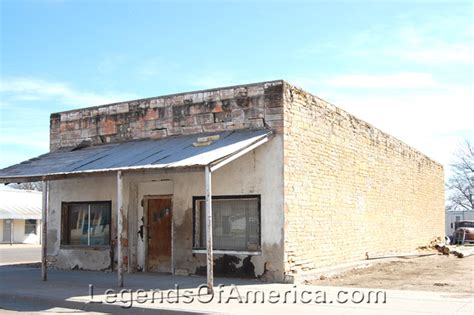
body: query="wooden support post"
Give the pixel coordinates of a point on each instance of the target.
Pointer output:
(210, 264)
(44, 233)
(119, 229)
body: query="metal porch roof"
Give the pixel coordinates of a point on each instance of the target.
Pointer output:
(170, 152)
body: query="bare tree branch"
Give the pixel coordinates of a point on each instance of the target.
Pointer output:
(461, 184)
(27, 186)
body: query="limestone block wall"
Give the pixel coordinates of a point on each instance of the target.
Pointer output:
(247, 106)
(351, 189)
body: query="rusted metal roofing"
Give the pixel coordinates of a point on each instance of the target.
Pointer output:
(20, 204)
(170, 152)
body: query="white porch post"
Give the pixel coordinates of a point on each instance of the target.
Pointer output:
(210, 272)
(11, 232)
(44, 233)
(119, 229)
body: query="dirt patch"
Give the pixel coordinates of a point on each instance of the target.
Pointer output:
(429, 273)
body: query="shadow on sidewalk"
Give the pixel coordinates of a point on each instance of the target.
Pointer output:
(22, 289)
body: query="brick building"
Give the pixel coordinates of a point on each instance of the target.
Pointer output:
(297, 184)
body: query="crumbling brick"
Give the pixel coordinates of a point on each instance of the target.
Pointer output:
(212, 110)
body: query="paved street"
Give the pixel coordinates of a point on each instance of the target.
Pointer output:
(22, 289)
(19, 253)
(26, 307)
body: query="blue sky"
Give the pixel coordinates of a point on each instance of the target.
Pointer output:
(406, 67)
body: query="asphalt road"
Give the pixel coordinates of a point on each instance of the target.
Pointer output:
(19, 253)
(29, 307)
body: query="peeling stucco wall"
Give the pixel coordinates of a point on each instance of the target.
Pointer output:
(92, 188)
(258, 172)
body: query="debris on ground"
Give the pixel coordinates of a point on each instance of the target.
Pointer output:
(440, 284)
(460, 251)
(434, 243)
(438, 272)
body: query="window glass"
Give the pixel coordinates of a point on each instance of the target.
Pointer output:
(100, 227)
(235, 224)
(86, 223)
(78, 224)
(30, 226)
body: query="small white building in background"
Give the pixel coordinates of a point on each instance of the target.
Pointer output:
(456, 216)
(20, 216)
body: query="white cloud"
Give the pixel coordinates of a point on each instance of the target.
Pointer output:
(442, 40)
(212, 80)
(154, 67)
(434, 51)
(32, 99)
(433, 121)
(11, 157)
(437, 40)
(431, 110)
(402, 80)
(3, 104)
(111, 63)
(29, 140)
(32, 89)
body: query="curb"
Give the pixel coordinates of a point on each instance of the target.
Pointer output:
(35, 264)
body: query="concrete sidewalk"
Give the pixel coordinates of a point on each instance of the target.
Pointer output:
(19, 254)
(70, 289)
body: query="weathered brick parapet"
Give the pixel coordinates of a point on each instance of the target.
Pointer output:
(256, 105)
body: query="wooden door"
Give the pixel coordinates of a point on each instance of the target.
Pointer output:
(7, 230)
(159, 235)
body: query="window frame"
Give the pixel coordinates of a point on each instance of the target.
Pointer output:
(65, 223)
(203, 250)
(29, 224)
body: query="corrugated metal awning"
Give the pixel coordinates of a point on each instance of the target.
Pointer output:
(170, 152)
(20, 204)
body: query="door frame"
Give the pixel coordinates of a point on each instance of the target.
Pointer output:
(146, 227)
(10, 226)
